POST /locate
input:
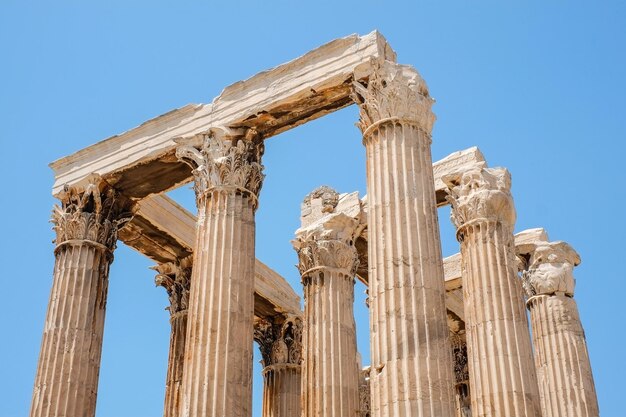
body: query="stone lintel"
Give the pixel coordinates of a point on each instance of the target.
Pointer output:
(165, 232)
(271, 102)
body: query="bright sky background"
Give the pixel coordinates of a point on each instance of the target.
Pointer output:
(539, 88)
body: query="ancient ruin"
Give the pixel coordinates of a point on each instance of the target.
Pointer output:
(449, 337)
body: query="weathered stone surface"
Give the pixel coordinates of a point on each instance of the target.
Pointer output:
(364, 392)
(280, 342)
(86, 228)
(175, 231)
(271, 102)
(390, 240)
(411, 359)
(563, 367)
(221, 300)
(175, 278)
(327, 263)
(501, 373)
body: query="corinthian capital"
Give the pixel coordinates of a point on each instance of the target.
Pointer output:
(393, 91)
(175, 278)
(279, 343)
(225, 159)
(551, 269)
(481, 194)
(94, 213)
(328, 243)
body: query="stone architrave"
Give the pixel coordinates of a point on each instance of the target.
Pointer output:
(175, 278)
(86, 226)
(281, 349)
(327, 263)
(501, 371)
(563, 368)
(412, 368)
(217, 375)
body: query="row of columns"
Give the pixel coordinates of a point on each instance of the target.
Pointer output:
(412, 370)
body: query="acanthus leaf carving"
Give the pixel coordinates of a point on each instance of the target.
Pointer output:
(279, 340)
(176, 279)
(225, 161)
(393, 91)
(551, 270)
(328, 243)
(481, 194)
(95, 214)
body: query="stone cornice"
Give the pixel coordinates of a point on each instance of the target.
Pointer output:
(271, 102)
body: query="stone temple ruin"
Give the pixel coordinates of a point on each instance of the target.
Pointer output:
(449, 337)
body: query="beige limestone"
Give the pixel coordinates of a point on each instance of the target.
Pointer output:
(501, 372)
(175, 278)
(165, 232)
(217, 374)
(563, 367)
(327, 263)
(461, 370)
(364, 392)
(86, 227)
(412, 368)
(271, 102)
(280, 342)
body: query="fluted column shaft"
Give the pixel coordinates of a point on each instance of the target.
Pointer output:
(67, 375)
(501, 371)
(217, 374)
(281, 390)
(327, 262)
(218, 370)
(66, 384)
(412, 368)
(330, 368)
(563, 367)
(175, 363)
(175, 277)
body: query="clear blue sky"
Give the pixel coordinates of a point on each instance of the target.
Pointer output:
(539, 88)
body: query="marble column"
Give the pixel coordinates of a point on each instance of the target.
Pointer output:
(501, 370)
(412, 369)
(217, 374)
(86, 226)
(281, 348)
(563, 367)
(174, 277)
(327, 264)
